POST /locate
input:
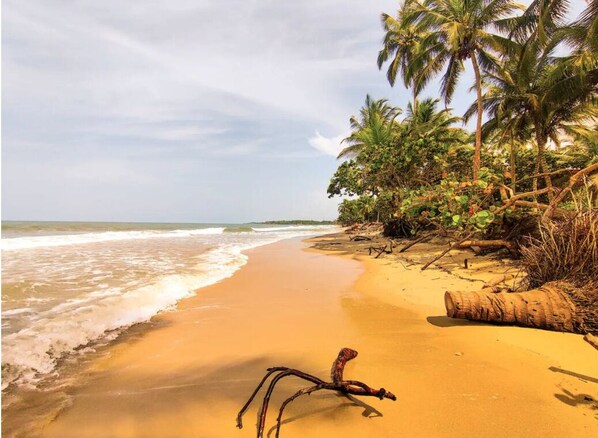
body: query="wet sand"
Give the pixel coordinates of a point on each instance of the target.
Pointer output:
(189, 373)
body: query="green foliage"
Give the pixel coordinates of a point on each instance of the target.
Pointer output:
(348, 180)
(356, 211)
(536, 78)
(367, 209)
(419, 149)
(456, 205)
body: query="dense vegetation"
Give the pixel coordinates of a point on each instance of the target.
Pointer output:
(536, 81)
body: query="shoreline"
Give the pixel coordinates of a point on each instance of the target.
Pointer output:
(192, 369)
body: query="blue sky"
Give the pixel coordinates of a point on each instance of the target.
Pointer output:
(184, 110)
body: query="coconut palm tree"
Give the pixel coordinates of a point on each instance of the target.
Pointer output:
(374, 126)
(462, 30)
(423, 117)
(582, 37)
(533, 90)
(405, 46)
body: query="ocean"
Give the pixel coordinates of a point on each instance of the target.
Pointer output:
(69, 287)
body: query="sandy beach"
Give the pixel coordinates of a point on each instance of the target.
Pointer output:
(188, 372)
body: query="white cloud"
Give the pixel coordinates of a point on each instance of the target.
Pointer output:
(329, 146)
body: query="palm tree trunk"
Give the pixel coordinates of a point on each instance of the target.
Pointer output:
(513, 166)
(542, 140)
(478, 133)
(414, 101)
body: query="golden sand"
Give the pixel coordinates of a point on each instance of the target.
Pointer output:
(191, 372)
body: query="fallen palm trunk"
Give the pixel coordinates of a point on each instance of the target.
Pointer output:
(558, 306)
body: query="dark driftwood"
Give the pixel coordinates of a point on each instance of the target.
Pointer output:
(346, 387)
(360, 238)
(379, 250)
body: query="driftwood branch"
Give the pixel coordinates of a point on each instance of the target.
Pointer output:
(573, 181)
(446, 251)
(416, 241)
(379, 250)
(346, 387)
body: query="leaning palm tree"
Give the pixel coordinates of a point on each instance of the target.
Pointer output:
(462, 27)
(374, 126)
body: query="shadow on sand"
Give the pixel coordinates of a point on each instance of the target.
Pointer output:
(445, 321)
(368, 411)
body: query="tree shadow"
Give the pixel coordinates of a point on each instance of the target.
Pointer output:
(368, 411)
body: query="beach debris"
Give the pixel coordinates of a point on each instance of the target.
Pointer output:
(420, 239)
(446, 251)
(467, 242)
(360, 238)
(379, 250)
(558, 305)
(346, 387)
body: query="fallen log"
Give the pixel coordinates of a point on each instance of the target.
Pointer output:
(360, 238)
(346, 387)
(558, 306)
(487, 244)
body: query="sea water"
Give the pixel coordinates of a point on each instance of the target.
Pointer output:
(69, 287)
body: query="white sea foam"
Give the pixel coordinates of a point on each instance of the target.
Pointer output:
(100, 314)
(58, 331)
(291, 228)
(17, 243)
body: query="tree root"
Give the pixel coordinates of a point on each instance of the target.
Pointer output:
(379, 250)
(346, 387)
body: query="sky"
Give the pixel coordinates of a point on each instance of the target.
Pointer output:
(184, 110)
